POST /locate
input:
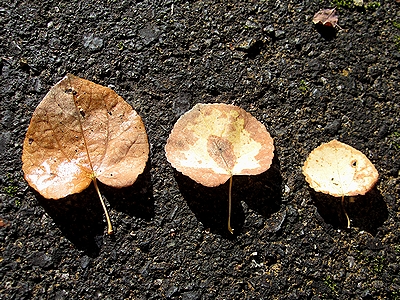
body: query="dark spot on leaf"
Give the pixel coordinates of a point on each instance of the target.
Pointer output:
(30, 141)
(354, 163)
(110, 113)
(70, 91)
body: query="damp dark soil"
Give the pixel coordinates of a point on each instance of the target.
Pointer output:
(307, 84)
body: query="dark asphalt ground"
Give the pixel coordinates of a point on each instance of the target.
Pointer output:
(307, 84)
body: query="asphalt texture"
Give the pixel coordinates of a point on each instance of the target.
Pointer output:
(307, 84)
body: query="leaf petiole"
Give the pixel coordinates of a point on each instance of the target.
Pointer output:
(110, 229)
(230, 205)
(344, 210)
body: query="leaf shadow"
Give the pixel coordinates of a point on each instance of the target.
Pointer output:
(328, 33)
(210, 205)
(135, 200)
(80, 217)
(367, 212)
(262, 193)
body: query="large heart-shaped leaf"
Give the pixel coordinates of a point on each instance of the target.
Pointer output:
(81, 131)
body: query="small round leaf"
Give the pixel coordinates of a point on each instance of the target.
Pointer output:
(339, 170)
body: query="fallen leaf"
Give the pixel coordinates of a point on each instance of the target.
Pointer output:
(212, 142)
(359, 3)
(3, 223)
(80, 132)
(339, 170)
(326, 17)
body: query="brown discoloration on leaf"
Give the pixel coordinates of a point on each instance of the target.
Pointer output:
(82, 130)
(339, 170)
(221, 151)
(326, 17)
(211, 142)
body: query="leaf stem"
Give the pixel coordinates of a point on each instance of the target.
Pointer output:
(110, 229)
(344, 210)
(230, 205)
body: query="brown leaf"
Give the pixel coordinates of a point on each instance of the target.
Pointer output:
(3, 223)
(339, 170)
(81, 131)
(212, 142)
(326, 17)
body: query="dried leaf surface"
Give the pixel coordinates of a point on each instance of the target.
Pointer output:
(326, 17)
(211, 142)
(82, 130)
(339, 170)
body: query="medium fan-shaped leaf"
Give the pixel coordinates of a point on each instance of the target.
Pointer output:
(212, 142)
